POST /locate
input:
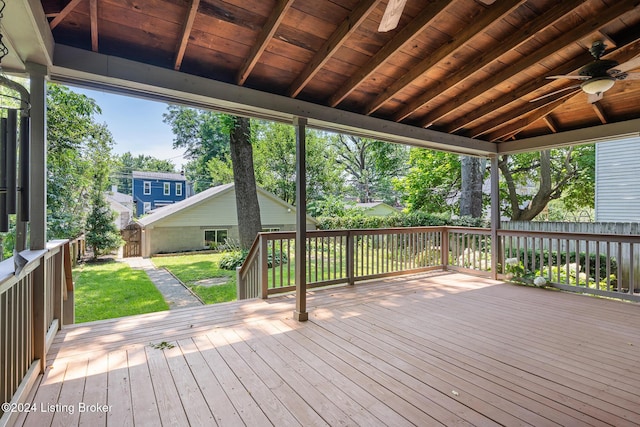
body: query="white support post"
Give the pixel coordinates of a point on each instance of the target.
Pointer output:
(495, 217)
(300, 313)
(38, 165)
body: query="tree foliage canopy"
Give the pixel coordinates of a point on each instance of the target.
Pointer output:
(78, 146)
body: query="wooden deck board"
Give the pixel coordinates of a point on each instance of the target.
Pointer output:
(431, 349)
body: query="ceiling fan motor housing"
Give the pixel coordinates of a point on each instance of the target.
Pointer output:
(597, 68)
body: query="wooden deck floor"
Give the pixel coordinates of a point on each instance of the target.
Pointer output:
(424, 350)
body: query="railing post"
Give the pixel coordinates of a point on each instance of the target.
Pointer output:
(444, 247)
(58, 283)
(39, 315)
(241, 292)
(68, 308)
(264, 267)
(351, 276)
(496, 250)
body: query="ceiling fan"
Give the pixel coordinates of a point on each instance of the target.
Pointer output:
(600, 75)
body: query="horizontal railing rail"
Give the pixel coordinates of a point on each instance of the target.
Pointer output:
(337, 256)
(600, 264)
(33, 301)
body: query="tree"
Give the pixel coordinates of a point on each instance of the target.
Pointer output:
(472, 170)
(249, 223)
(204, 135)
(102, 235)
(546, 176)
(275, 162)
(433, 181)
(75, 141)
(370, 166)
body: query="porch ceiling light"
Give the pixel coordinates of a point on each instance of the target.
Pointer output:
(598, 85)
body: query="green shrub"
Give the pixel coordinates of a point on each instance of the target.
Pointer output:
(232, 260)
(400, 219)
(542, 257)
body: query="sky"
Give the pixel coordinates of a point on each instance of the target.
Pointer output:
(136, 125)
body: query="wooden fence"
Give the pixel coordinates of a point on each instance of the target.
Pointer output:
(582, 262)
(35, 300)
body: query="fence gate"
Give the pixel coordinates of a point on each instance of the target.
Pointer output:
(132, 236)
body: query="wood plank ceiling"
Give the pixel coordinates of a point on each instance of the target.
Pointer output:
(468, 67)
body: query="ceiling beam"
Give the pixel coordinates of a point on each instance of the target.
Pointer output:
(516, 126)
(93, 15)
(551, 124)
(186, 32)
(469, 32)
(261, 43)
(511, 42)
(332, 44)
(627, 49)
(27, 34)
(597, 108)
(587, 135)
(90, 69)
(502, 76)
(398, 42)
(525, 109)
(64, 12)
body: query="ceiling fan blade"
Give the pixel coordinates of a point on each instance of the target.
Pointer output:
(391, 15)
(595, 97)
(554, 92)
(631, 64)
(572, 77)
(632, 76)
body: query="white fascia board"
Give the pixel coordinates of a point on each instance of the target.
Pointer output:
(601, 133)
(89, 69)
(27, 30)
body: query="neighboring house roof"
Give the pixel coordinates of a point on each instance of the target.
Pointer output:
(121, 198)
(213, 192)
(158, 175)
(377, 208)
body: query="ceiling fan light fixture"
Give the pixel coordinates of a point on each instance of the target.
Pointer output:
(598, 85)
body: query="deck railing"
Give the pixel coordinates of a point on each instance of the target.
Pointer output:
(337, 256)
(35, 300)
(590, 263)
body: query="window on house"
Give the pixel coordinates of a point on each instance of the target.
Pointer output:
(146, 187)
(269, 230)
(146, 207)
(213, 238)
(178, 189)
(167, 188)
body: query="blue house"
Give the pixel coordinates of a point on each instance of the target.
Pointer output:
(152, 190)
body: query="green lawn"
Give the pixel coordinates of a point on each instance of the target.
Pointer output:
(192, 268)
(109, 289)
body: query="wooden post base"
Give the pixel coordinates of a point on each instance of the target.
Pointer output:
(301, 317)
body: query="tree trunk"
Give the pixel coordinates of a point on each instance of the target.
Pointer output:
(472, 179)
(249, 223)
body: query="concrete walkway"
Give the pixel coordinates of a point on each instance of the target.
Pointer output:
(174, 292)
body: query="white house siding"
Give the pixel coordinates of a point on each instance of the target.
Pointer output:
(184, 228)
(222, 210)
(618, 181)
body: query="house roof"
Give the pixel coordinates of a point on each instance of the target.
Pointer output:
(118, 197)
(472, 68)
(371, 205)
(208, 194)
(158, 175)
